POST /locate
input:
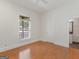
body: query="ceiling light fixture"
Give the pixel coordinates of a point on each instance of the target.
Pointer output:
(38, 1)
(45, 1)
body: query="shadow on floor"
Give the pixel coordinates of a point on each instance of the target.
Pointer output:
(74, 45)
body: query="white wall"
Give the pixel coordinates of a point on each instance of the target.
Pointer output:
(9, 16)
(56, 23)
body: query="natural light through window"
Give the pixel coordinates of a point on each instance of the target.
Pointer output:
(24, 27)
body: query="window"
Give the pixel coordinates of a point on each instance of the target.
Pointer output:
(24, 27)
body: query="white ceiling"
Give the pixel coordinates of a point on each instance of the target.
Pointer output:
(41, 6)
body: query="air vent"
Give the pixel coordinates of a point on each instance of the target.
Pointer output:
(3, 57)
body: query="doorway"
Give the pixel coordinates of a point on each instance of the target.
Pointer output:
(74, 32)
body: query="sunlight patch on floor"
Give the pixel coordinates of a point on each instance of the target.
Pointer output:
(24, 54)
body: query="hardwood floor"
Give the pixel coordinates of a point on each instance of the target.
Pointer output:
(43, 50)
(74, 53)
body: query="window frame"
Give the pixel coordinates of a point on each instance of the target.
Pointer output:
(22, 36)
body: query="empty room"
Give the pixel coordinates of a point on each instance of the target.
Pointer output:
(39, 29)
